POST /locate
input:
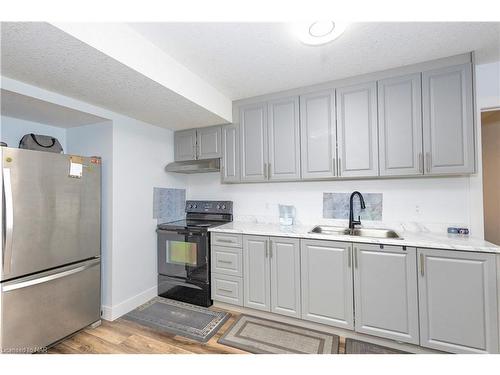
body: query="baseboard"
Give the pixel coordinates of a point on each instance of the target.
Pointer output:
(111, 313)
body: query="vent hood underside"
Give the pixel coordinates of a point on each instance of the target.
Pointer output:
(194, 166)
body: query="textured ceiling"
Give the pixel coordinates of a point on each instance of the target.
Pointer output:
(42, 55)
(31, 109)
(248, 59)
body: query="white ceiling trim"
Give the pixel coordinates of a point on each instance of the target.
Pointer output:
(125, 45)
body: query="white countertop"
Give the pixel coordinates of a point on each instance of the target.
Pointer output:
(413, 239)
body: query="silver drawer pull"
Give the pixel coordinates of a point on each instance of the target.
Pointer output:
(222, 240)
(224, 290)
(225, 261)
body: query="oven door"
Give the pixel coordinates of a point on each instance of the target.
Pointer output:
(183, 254)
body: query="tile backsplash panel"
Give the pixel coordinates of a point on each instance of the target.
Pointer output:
(336, 206)
(168, 204)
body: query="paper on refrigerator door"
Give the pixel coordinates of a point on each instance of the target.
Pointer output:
(75, 166)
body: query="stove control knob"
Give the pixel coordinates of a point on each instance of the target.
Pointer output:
(190, 206)
(195, 206)
(223, 206)
(218, 206)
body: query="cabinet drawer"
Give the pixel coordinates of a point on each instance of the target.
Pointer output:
(227, 289)
(226, 239)
(227, 260)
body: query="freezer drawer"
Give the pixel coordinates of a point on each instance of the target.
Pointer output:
(44, 308)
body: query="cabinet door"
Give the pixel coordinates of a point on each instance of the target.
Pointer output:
(357, 138)
(285, 276)
(230, 168)
(318, 139)
(458, 301)
(209, 142)
(400, 126)
(448, 120)
(385, 290)
(284, 139)
(256, 275)
(185, 145)
(253, 142)
(326, 282)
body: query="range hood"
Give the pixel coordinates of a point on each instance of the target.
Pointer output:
(194, 166)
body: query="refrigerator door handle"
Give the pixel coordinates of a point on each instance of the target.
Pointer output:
(44, 279)
(9, 221)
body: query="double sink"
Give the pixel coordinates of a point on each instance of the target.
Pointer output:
(360, 232)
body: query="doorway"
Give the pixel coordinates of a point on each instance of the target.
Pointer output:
(490, 130)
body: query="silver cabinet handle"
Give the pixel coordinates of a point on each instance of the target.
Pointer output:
(355, 257)
(349, 256)
(225, 261)
(339, 168)
(267, 249)
(422, 263)
(334, 166)
(223, 240)
(9, 221)
(270, 248)
(428, 161)
(224, 290)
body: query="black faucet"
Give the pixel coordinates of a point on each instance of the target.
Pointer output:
(353, 222)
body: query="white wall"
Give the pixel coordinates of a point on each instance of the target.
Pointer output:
(97, 140)
(430, 202)
(13, 130)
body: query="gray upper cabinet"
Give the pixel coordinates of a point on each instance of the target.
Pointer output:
(318, 135)
(458, 301)
(285, 276)
(385, 290)
(400, 126)
(253, 142)
(448, 122)
(230, 160)
(185, 145)
(208, 142)
(284, 139)
(357, 138)
(256, 273)
(327, 282)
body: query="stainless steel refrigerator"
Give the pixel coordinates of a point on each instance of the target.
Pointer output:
(51, 269)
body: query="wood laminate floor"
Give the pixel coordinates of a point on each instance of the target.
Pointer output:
(125, 337)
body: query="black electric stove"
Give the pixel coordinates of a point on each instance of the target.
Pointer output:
(184, 252)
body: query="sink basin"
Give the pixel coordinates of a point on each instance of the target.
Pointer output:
(360, 232)
(329, 229)
(377, 233)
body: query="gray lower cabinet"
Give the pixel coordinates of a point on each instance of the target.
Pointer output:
(256, 273)
(253, 142)
(272, 274)
(400, 126)
(318, 135)
(208, 142)
(458, 301)
(285, 276)
(448, 122)
(185, 145)
(230, 159)
(284, 139)
(357, 135)
(327, 282)
(385, 292)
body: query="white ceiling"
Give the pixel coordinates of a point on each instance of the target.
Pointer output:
(248, 59)
(43, 55)
(31, 109)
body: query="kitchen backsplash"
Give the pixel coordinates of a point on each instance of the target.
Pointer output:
(168, 204)
(336, 206)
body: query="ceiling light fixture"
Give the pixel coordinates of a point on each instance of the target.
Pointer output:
(319, 32)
